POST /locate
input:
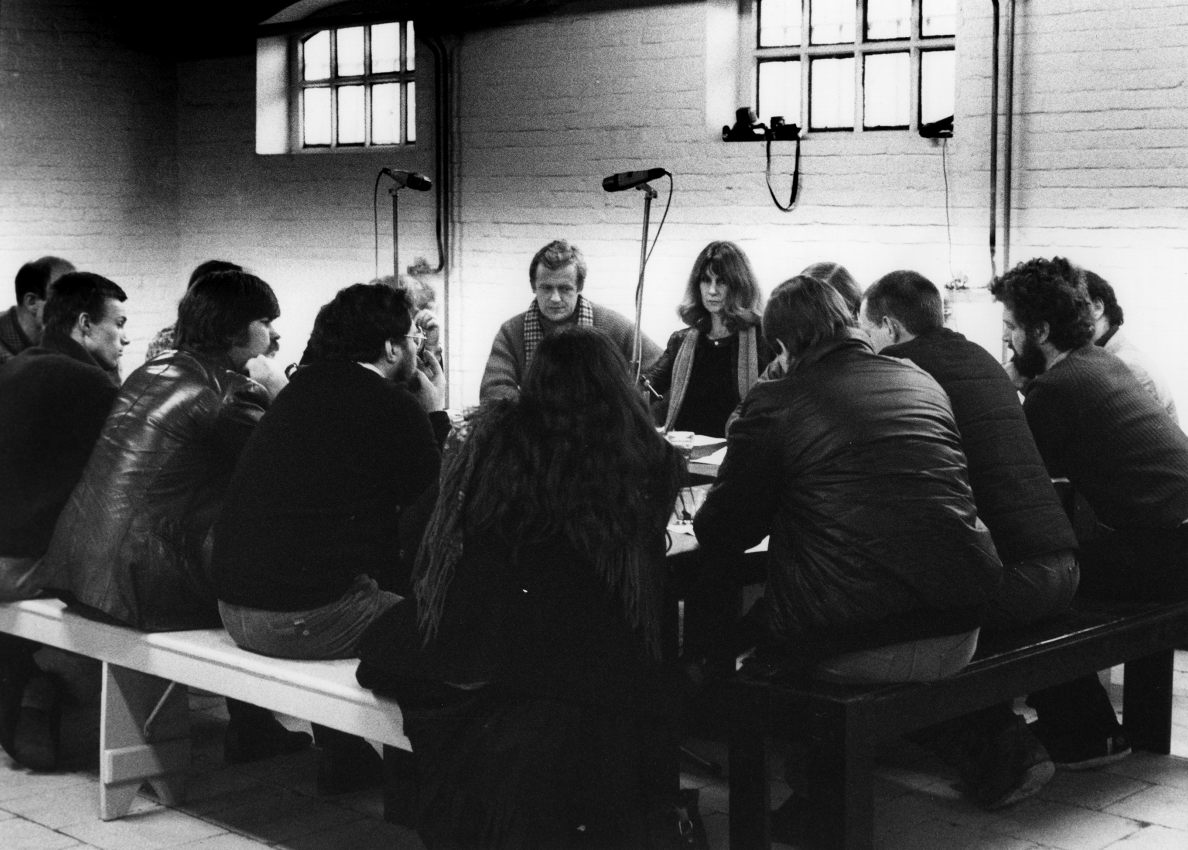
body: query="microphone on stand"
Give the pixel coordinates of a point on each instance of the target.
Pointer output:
(411, 179)
(631, 179)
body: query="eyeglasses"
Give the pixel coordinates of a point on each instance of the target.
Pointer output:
(419, 337)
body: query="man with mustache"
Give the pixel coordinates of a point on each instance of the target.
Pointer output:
(307, 550)
(1096, 425)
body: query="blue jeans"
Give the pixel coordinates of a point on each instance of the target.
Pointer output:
(331, 631)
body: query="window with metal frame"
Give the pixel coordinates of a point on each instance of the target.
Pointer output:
(355, 87)
(852, 65)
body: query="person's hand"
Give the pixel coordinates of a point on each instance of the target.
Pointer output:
(264, 370)
(427, 323)
(430, 389)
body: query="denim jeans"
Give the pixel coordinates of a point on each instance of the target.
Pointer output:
(331, 631)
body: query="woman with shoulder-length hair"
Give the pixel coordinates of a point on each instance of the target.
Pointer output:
(527, 663)
(708, 367)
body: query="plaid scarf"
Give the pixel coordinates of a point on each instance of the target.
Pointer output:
(534, 329)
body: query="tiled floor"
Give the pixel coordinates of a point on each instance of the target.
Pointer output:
(1138, 804)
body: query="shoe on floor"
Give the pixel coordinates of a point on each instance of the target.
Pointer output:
(1083, 753)
(38, 726)
(246, 742)
(1011, 767)
(349, 766)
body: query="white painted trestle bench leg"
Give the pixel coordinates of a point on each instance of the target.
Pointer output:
(128, 756)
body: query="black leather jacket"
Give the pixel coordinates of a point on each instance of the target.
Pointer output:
(853, 465)
(133, 541)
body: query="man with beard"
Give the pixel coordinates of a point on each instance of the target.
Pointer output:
(307, 548)
(1096, 425)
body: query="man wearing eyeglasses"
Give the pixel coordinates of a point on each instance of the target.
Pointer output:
(307, 550)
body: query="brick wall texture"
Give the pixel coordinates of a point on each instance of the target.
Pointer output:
(139, 168)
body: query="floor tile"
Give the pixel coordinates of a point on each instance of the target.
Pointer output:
(1060, 826)
(1153, 838)
(18, 782)
(1158, 804)
(155, 830)
(946, 836)
(1090, 789)
(226, 841)
(18, 834)
(78, 803)
(1158, 770)
(359, 835)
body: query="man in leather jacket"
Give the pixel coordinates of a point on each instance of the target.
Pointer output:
(133, 542)
(853, 465)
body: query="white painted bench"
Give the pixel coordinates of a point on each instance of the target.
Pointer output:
(145, 732)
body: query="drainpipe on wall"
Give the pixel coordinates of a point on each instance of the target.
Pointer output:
(994, 142)
(442, 169)
(1008, 137)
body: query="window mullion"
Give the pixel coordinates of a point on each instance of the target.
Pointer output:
(806, 63)
(859, 65)
(333, 88)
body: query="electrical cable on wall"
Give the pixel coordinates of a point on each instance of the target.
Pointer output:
(948, 221)
(771, 135)
(375, 216)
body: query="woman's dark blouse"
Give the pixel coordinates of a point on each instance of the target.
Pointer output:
(712, 393)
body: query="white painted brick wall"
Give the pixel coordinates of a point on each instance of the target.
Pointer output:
(161, 175)
(88, 160)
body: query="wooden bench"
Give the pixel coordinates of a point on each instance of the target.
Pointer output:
(840, 724)
(145, 733)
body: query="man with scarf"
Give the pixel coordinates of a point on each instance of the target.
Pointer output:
(557, 274)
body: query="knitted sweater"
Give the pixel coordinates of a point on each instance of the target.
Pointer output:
(1095, 424)
(318, 493)
(506, 363)
(1012, 488)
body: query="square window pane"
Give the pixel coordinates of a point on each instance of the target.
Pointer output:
(831, 21)
(411, 112)
(831, 94)
(939, 17)
(351, 130)
(410, 51)
(938, 85)
(350, 52)
(315, 111)
(886, 88)
(385, 48)
(779, 23)
(385, 114)
(315, 54)
(888, 19)
(779, 91)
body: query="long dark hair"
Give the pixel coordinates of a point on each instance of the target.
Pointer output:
(743, 304)
(574, 456)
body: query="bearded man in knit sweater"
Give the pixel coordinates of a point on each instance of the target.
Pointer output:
(557, 274)
(307, 547)
(1096, 425)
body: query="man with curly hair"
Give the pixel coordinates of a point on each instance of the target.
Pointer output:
(1095, 425)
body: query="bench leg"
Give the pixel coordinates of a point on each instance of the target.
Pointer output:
(750, 797)
(842, 796)
(1147, 701)
(128, 757)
